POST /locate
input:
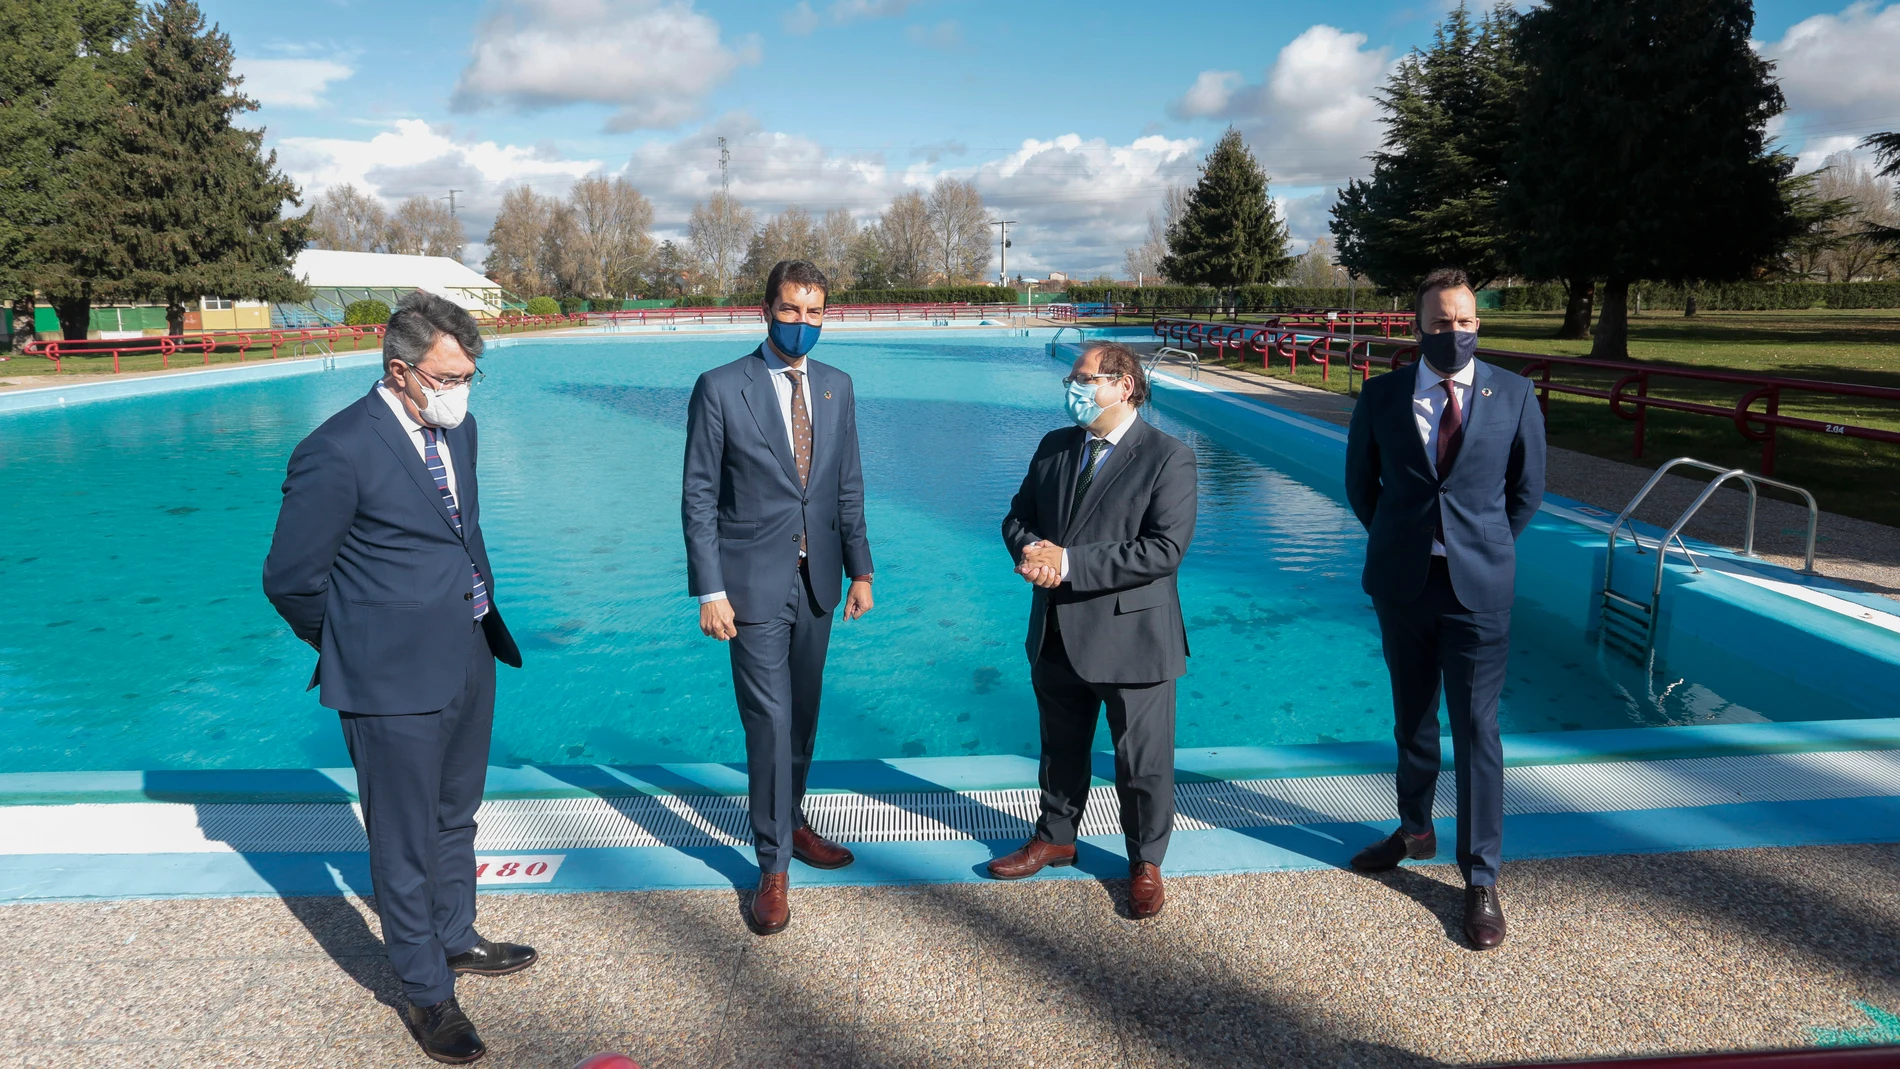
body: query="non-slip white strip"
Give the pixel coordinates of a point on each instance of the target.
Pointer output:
(583, 823)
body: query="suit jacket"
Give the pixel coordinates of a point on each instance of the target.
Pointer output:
(366, 564)
(1119, 611)
(1495, 487)
(741, 504)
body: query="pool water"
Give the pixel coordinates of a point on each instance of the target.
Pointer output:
(137, 636)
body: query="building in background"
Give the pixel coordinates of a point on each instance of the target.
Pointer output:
(340, 278)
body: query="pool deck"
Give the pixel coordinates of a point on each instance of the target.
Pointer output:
(1723, 950)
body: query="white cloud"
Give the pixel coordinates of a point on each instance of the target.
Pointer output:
(1312, 118)
(656, 60)
(290, 83)
(1839, 77)
(803, 19)
(945, 35)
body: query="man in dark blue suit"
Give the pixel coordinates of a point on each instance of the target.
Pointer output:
(773, 507)
(378, 563)
(1445, 467)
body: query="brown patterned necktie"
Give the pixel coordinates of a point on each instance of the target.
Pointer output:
(801, 437)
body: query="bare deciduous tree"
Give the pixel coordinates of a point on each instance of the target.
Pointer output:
(837, 242)
(719, 231)
(422, 226)
(790, 235)
(904, 238)
(1850, 253)
(959, 230)
(347, 219)
(1144, 260)
(605, 246)
(518, 243)
(1317, 267)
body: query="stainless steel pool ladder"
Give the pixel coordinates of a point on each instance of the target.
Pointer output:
(1191, 359)
(1641, 617)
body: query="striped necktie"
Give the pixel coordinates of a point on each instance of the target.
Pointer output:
(1096, 447)
(440, 472)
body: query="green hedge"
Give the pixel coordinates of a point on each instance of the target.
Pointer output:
(543, 306)
(1249, 298)
(366, 313)
(1728, 297)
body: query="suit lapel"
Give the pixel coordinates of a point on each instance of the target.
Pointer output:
(823, 412)
(1408, 419)
(762, 398)
(466, 497)
(1119, 458)
(393, 435)
(1066, 474)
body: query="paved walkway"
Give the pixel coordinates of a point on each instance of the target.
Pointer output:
(1682, 952)
(1855, 552)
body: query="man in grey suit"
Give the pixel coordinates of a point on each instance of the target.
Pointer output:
(773, 506)
(1099, 526)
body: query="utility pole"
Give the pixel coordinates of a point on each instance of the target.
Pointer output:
(725, 156)
(1002, 240)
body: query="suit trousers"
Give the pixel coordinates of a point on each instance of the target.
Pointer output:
(778, 675)
(1141, 725)
(420, 778)
(1436, 641)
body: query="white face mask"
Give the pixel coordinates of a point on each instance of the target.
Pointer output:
(445, 409)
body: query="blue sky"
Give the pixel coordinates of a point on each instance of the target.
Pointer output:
(1073, 119)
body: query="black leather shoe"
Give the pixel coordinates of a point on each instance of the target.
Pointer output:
(493, 959)
(1484, 917)
(1386, 854)
(445, 1032)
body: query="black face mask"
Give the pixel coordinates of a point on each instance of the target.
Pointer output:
(1448, 353)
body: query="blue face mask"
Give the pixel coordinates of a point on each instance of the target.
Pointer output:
(1080, 401)
(1448, 353)
(792, 339)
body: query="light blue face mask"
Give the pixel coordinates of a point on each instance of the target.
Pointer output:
(1080, 401)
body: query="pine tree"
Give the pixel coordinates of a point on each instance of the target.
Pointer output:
(181, 202)
(58, 62)
(1642, 150)
(1432, 200)
(1230, 234)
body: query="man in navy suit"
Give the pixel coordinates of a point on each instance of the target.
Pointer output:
(378, 563)
(773, 507)
(1445, 468)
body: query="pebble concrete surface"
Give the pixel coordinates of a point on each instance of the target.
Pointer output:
(1706, 951)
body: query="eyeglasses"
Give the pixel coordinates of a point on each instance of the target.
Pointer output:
(451, 383)
(1091, 380)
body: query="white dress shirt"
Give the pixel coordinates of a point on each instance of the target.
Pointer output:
(415, 439)
(782, 386)
(1113, 438)
(1428, 407)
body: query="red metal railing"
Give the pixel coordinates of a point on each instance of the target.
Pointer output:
(166, 346)
(1629, 394)
(839, 313)
(1384, 324)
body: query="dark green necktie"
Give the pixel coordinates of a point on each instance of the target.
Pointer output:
(1097, 446)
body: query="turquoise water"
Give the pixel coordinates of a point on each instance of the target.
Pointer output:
(137, 636)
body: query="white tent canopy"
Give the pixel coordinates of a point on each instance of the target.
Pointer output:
(345, 272)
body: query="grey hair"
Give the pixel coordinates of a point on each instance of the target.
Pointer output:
(421, 318)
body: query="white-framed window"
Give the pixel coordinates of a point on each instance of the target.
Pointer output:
(214, 304)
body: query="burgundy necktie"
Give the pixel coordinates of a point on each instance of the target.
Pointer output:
(1451, 425)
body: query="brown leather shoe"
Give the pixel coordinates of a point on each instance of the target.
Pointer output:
(1031, 859)
(1145, 894)
(1484, 917)
(772, 906)
(819, 852)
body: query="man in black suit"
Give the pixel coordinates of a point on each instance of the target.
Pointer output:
(772, 503)
(378, 563)
(1445, 468)
(1099, 527)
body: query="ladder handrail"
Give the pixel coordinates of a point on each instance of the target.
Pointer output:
(1722, 477)
(1192, 359)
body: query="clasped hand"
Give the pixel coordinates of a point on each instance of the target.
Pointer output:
(1042, 564)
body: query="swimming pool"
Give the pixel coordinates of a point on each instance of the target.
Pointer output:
(138, 638)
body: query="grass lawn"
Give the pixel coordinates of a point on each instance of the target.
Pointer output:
(1847, 476)
(19, 366)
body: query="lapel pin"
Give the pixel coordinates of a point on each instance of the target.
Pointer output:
(828, 395)
(1486, 392)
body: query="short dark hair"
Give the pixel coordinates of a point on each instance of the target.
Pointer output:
(796, 272)
(421, 318)
(1119, 359)
(1445, 278)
